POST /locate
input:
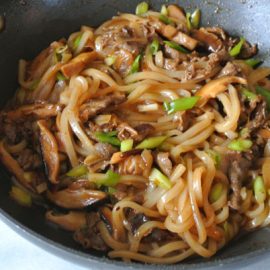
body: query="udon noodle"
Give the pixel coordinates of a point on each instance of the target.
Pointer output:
(152, 133)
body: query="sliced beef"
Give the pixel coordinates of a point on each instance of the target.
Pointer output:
(143, 131)
(29, 160)
(164, 162)
(136, 220)
(229, 70)
(105, 150)
(96, 106)
(248, 50)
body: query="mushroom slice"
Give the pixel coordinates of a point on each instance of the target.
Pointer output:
(49, 149)
(79, 63)
(72, 221)
(37, 111)
(105, 214)
(76, 199)
(13, 166)
(217, 86)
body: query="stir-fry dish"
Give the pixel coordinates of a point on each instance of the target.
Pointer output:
(147, 137)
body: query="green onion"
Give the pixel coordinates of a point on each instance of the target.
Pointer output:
(152, 142)
(215, 156)
(77, 42)
(237, 48)
(110, 60)
(29, 176)
(34, 85)
(195, 18)
(252, 62)
(136, 64)
(77, 171)
(60, 77)
(154, 46)
(107, 138)
(164, 10)
(165, 19)
(248, 94)
(142, 8)
(111, 190)
(21, 196)
(166, 146)
(110, 180)
(188, 16)
(259, 189)
(160, 179)
(240, 145)
(181, 104)
(126, 145)
(176, 46)
(265, 93)
(215, 192)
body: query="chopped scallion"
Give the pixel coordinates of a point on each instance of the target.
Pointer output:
(176, 46)
(77, 42)
(240, 145)
(160, 179)
(110, 180)
(165, 19)
(110, 60)
(21, 196)
(252, 62)
(259, 189)
(154, 46)
(126, 145)
(265, 93)
(195, 18)
(237, 48)
(215, 156)
(152, 142)
(34, 85)
(215, 192)
(60, 77)
(107, 138)
(77, 171)
(142, 8)
(188, 16)
(248, 94)
(136, 64)
(181, 104)
(164, 10)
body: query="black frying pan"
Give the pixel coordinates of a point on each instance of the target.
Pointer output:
(32, 24)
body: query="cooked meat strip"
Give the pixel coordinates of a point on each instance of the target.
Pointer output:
(164, 162)
(29, 160)
(143, 131)
(99, 105)
(105, 150)
(248, 50)
(229, 70)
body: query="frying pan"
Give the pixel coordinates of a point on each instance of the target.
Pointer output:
(31, 25)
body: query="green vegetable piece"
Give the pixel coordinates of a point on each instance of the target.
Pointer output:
(160, 179)
(34, 85)
(181, 104)
(265, 93)
(240, 145)
(110, 60)
(77, 42)
(195, 18)
(165, 19)
(259, 189)
(154, 46)
(21, 196)
(111, 190)
(248, 94)
(126, 145)
(152, 142)
(60, 77)
(215, 192)
(164, 10)
(252, 62)
(107, 138)
(188, 17)
(244, 132)
(77, 171)
(176, 46)
(237, 48)
(142, 8)
(215, 156)
(136, 64)
(110, 180)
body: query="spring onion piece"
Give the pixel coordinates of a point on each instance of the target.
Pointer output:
(237, 48)
(166, 146)
(160, 179)
(154, 46)
(152, 142)
(252, 62)
(77, 171)
(240, 145)
(110, 180)
(110, 60)
(126, 145)
(136, 64)
(21, 196)
(248, 94)
(107, 138)
(142, 8)
(259, 189)
(265, 93)
(34, 85)
(215, 156)
(28, 176)
(180, 104)
(215, 192)
(176, 46)
(111, 190)
(77, 42)
(165, 19)
(195, 18)
(188, 17)
(164, 10)
(60, 77)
